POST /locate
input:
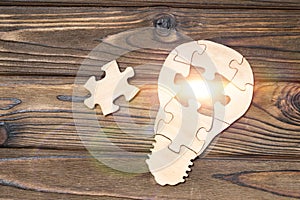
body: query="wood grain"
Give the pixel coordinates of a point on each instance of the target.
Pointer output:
(45, 115)
(264, 180)
(249, 4)
(75, 175)
(55, 41)
(44, 42)
(3, 134)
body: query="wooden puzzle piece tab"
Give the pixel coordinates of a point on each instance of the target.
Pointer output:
(112, 86)
(216, 59)
(239, 103)
(209, 135)
(185, 52)
(243, 75)
(183, 127)
(166, 87)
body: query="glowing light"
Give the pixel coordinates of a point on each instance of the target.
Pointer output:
(200, 89)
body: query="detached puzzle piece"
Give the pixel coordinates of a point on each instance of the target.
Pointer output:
(112, 86)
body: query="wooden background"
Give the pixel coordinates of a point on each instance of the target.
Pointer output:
(42, 45)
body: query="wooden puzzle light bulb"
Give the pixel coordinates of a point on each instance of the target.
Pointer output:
(182, 132)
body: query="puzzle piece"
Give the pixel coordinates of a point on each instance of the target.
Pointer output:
(163, 117)
(209, 135)
(234, 109)
(113, 85)
(216, 59)
(166, 87)
(213, 57)
(193, 87)
(242, 78)
(216, 87)
(184, 52)
(183, 127)
(167, 166)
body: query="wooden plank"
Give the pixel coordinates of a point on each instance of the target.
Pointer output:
(272, 4)
(43, 118)
(39, 176)
(55, 41)
(41, 49)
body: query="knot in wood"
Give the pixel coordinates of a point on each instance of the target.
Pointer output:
(3, 134)
(289, 102)
(296, 101)
(165, 21)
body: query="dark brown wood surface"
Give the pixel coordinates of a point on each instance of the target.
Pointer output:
(42, 46)
(273, 4)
